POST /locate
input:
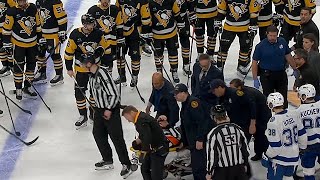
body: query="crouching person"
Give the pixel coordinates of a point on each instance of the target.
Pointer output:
(151, 142)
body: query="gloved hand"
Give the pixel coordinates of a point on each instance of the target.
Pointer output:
(89, 57)
(265, 161)
(98, 52)
(182, 28)
(8, 47)
(148, 37)
(256, 83)
(296, 73)
(192, 18)
(277, 19)
(42, 47)
(253, 30)
(302, 151)
(62, 36)
(217, 26)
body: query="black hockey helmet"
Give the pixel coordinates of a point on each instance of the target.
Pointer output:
(218, 111)
(87, 19)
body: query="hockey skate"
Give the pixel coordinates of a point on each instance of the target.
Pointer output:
(28, 92)
(1, 113)
(103, 165)
(186, 70)
(175, 77)
(18, 93)
(122, 80)
(82, 122)
(57, 80)
(40, 78)
(242, 71)
(5, 71)
(146, 50)
(134, 81)
(127, 170)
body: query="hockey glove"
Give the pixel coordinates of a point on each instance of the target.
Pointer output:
(182, 28)
(217, 26)
(62, 36)
(256, 83)
(265, 161)
(277, 19)
(42, 47)
(98, 52)
(192, 18)
(8, 47)
(148, 37)
(252, 31)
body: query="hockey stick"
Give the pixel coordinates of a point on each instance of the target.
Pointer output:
(14, 127)
(28, 79)
(125, 61)
(24, 110)
(221, 61)
(155, 53)
(190, 56)
(24, 142)
(52, 51)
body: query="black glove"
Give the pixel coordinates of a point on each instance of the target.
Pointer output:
(302, 151)
(148, 38)
(253, 30)
(217, 26)
(8, 47)
(62, 36)
(277, 19)
(192, 18)
(42, 47)
(89, 57)
(98, 52)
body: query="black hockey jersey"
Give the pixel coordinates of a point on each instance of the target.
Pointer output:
(165, 15)
(22, 27)
(109, 21)
(4, 6)
(206, 8)
(292, 10)
(265, 13)
(239, 14)
(134, 14)
(53, 17)
(80, 44)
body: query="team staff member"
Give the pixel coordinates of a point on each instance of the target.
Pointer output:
(263, 115)
(23, 30)
(54, 26)
(240, 107)
(163, 101)
(203, 73)
(195, 125)
(107, 120)
(310, 44)
(151, 142)
(306, 26)
(269, 57)
(4, 58)
(306, 71)
(230, 162)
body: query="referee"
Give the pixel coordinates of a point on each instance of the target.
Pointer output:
(227, 149)
(107, 120)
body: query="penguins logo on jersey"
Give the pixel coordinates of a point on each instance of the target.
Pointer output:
(293, 4)
(88, 47)
(27, 24)
(3, 9)
(163, 17)
(44, 15)
(237, 9)
(205, 2)
(262, 3)
(161, 1)
(128, 12)
(106, 23)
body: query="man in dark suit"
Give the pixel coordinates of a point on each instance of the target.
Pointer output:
(163, 101)
(203, 73)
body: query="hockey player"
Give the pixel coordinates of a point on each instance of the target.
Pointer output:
(291, 16)
(286, 136)
(81, 41)
(54, 25)
(109, 20)
(4, 58)
(134, 14)
(165, 19)
(23, 30)
(309, 113)
(241, 20)
(206, 11)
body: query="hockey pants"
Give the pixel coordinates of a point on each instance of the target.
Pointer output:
(308, 162)
(200, 32)
(24, 56)
(103, 128)
(172, 46)
(226, 40)
(82, 79)
(280, 172)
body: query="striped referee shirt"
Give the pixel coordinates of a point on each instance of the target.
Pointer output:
(103, 89)
(226, 146)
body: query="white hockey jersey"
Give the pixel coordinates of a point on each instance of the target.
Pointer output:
(286, 135)
(309, 115)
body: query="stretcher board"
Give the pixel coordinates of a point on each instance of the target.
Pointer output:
(293, 98)
(138, 151)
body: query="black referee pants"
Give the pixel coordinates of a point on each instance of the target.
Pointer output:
(275, 81)
(103, 128)
(231, 173)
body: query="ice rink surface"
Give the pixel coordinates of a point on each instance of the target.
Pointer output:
(63, 153)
